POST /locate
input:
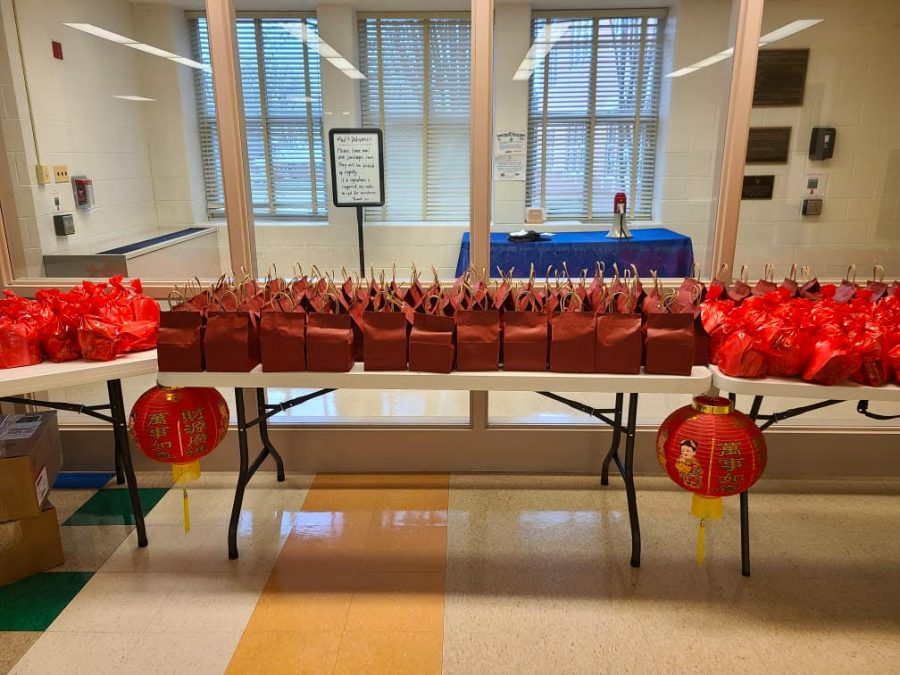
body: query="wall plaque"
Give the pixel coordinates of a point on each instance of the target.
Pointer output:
(780, 77)
(768, 145)
(758, 187)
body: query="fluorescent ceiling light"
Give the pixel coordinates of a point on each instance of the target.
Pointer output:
(777, 34)
(185, 61)
(789, 29)
(132, 97)
(150, 49)
(134, 44)
(302, 32)
(545, 41)
(101, 33)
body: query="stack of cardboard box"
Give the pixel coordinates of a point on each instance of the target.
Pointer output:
(30, 458)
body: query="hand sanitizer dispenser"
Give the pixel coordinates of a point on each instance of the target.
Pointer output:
(619, 229)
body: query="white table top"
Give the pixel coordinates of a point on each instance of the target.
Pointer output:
(697, 382)
(49, 375)
(791, 388)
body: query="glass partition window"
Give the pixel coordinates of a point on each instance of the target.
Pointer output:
(593, 107)
(102, 144)
(282, 89)
(416, 89)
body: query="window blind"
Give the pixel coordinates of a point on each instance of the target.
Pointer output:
(417, 91)
(282, 91)
(593, 115)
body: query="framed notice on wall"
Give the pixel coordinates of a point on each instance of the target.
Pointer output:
(780, 77)
(357, 167)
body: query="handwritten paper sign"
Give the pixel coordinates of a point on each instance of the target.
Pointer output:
(357, 167)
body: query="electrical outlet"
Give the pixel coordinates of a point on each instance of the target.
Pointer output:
(61, 171)
(43, 174)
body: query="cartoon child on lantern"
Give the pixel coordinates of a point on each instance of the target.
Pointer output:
(687, 466)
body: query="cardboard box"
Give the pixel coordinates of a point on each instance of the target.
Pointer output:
(30, 457)
(29, 546)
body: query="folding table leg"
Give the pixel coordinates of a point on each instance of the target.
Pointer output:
(628, 476)
(264, 434)
(745, 505)
(614, 446)
(120, 472)
(243, 474)
(745, 535)
(123, 451)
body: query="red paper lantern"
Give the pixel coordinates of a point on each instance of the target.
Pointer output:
(178, 426)
(713, 451)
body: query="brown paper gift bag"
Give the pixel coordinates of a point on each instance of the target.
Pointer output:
(619, 344)
(282, 335)
(572, 339)
(431, 346)
(180, 345)
(329, 343)
(231, 341)
(670, 344)
(385, 337)
(526, 334)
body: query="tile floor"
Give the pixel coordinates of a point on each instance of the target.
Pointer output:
(460, 574)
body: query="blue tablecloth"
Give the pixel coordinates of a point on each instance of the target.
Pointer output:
(667, 252)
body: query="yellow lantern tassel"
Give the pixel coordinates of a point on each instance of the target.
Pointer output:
(704, 508)
(186, 506)
(183, 474)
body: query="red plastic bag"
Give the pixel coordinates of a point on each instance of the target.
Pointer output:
(832, 362)
(741, 355)
(20, 344)
(97, 339)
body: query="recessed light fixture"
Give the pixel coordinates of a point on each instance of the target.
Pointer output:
(150, 49)
(775, 35)
(96, 31)
(325, 50)
(132, 97)
(101, 33)
(550, 34)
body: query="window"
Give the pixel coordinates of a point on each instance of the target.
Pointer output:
(593, 114)
(417, 90)
(283, 111)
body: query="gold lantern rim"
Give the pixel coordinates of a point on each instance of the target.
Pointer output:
(712, 405)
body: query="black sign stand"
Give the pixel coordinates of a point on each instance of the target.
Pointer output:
(362, 244)
(360, 215)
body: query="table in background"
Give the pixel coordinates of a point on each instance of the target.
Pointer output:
(358, 378)
(48, 375)
(656, 248)
(794, 388)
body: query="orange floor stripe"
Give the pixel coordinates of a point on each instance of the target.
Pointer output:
(359, 584)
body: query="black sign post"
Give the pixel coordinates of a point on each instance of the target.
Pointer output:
(357, 174)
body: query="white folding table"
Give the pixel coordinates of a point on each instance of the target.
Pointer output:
(48, 375)
(358, 378)
(825, 396)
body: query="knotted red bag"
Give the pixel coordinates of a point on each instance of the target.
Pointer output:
(619, 340)
(282, 334)
(20, 344)
(231, 339)
(742, 355)
(833, 361)
(573, 337)
(526, 334)
(385, 334)
(329, 338)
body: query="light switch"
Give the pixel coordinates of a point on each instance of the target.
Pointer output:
(43, 174)
(61, 172)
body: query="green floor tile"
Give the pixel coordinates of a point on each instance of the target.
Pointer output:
(112, 506)
(33, 603)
